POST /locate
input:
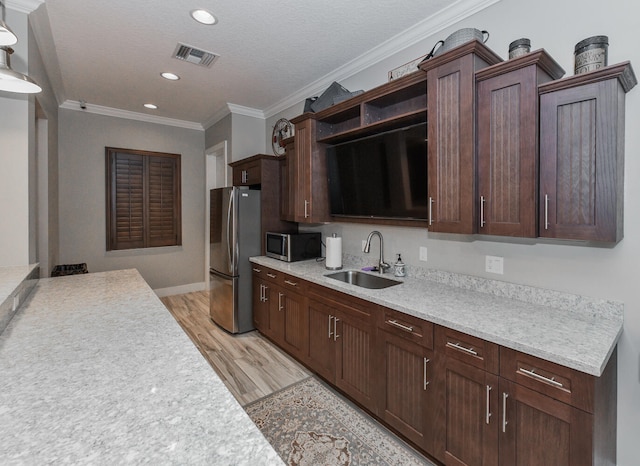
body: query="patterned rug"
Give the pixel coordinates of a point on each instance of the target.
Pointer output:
(309, 424)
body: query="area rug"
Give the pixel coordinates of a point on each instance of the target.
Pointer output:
(309, 424)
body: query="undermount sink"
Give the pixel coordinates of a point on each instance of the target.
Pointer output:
(362, 279)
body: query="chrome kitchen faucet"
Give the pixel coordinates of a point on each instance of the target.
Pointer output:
(382, 265)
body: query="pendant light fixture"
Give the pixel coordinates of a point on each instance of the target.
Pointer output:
(12, 81)
(7, 37)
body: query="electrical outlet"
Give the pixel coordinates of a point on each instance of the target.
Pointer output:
(423, 253)
(364, 244)
(494, 264)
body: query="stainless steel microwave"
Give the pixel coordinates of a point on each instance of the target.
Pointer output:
(291, 247)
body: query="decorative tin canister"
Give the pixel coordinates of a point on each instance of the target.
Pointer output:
(519, 47)
(591, 54)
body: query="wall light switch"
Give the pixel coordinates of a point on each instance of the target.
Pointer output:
(423, 253)
(494, 264)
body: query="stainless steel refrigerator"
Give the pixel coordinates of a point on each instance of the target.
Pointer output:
(234, 237)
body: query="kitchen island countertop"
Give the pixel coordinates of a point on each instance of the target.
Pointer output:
(95, 370)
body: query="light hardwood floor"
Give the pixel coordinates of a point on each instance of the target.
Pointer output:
(249, 365)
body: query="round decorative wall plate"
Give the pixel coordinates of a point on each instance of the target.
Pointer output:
(281, 130)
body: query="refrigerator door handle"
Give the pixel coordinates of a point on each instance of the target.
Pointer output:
(229, 233)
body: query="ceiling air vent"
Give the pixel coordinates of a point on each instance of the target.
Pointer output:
(194, 55)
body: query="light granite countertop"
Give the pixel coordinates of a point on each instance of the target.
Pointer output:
(571, 330)
(11, 277)
(95, 370)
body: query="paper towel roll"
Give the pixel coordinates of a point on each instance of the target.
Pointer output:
(334, 253)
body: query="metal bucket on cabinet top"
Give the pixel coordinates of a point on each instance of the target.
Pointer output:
(462, 36)
(591, 54)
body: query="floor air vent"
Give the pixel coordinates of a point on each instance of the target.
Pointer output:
(194, 55)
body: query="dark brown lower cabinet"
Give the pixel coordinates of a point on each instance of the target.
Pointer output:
(341, 346)
(289, 319)
(536, 429)
(279, 310)
(322, 354)
(409, 399)
(458, 398)
(261, 297)
(471, 415)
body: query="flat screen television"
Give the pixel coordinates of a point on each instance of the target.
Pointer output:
(382, 176)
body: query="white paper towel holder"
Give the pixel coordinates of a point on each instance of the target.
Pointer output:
(330, 257)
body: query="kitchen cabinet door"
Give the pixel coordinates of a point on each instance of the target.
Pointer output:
(354, 350)
(536, 429)
(409, 392)
(508, 143)
(321, 355)
(308, 191)
(472, 415)
(582, 155)
(451, 136)
(451, 159)
(261, 295)
(294, 326)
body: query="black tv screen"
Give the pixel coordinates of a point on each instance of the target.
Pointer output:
(381, 176)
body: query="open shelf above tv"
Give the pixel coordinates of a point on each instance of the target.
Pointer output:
(392, 105)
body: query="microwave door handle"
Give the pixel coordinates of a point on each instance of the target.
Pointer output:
(229, 232)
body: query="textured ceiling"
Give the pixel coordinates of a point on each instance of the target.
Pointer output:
(111, 53)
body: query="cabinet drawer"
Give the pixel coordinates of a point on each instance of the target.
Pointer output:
(562, 383)
(353, 306)
(247, 174)
(468, 349)
(409, 327)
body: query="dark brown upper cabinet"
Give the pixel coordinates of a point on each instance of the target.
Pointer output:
(451, 99)
(582, 155)
(307, 174)
(507, 143)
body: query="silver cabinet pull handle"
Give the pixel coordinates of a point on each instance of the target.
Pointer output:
(482, 201)
(271, 275)
(425, 380)
(335, 329)
(488, 404)
(542, 378)
(430, 210)
(262, 293)
(397, 324)
(256, 270)
(306, 209)
(458, 346)
(288, 282)
(280, 295)
(330, 332)
(546, 211)
(504, 412)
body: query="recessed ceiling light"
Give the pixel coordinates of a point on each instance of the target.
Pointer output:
(170, 76)
(203, 16)
(151, 106)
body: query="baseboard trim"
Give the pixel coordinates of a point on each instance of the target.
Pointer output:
(181, 289)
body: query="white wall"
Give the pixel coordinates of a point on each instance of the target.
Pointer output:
(15, 235)
(597, 271)
(247, 135)
(83, 137)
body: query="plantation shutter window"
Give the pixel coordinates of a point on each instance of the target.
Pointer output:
(143, 199)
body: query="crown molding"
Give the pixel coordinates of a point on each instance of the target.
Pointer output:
(415, 34)
(230, 108)
(114, 112)
(23, 6)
